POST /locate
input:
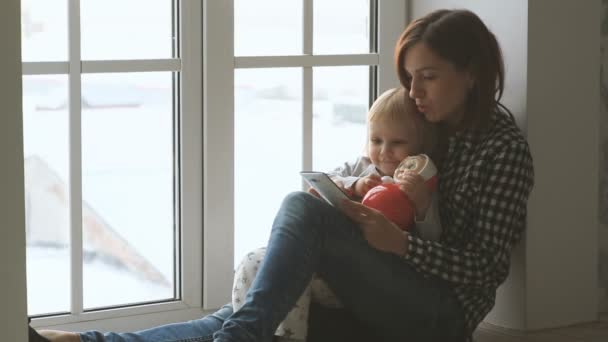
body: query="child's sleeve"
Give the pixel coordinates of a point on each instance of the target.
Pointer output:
(349, 172)
(430, 227)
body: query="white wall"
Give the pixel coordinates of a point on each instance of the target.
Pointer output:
(563, 121)
(551, 51)
(603, 163)
(12, 232)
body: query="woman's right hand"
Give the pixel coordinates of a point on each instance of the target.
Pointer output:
(379, 231)
(364, 184)
(412, 184)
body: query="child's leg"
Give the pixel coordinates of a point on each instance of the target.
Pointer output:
(322, 294)
(295, 325)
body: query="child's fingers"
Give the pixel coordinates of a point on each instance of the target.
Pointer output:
(373, 182)
(374, 177)
(312, 191)
(412, 177)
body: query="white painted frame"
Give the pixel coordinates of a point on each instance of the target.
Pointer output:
(220, 64)
(189, 263)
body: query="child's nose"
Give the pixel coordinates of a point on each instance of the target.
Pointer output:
(385, 150)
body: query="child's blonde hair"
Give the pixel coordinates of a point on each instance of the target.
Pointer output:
(395, 105)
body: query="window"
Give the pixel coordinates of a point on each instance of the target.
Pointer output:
(295, 114)
(125, 103)
(112, 142)
(290, 92)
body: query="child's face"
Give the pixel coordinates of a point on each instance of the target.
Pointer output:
(390, 141)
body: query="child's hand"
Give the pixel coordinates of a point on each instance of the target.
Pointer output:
(314, 192)
(412, 184)
(364, 184)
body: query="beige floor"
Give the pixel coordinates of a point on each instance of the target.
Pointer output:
(591, 332)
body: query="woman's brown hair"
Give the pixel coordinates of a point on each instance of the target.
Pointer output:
(460, 37)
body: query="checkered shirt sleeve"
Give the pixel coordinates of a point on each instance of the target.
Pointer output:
(501, 198)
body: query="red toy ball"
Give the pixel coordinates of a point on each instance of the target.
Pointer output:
(392, 202)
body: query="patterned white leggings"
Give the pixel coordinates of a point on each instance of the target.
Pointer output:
(295, 325)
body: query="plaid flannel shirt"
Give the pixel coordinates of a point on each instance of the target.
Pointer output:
(483, 191)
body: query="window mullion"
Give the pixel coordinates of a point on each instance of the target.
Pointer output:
(305, 61)
(307, 85)
(45, 68)
(138, 65)
(191, 142)
(307, 29)
(75, 157)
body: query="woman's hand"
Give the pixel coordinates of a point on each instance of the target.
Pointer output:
(364, 184)
(379, 232)
(412, 184)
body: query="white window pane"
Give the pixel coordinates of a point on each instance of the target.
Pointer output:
(341, 26)
(268, 145)
(44, 30)
(341, 97)
(267, 27)
(133, 29)
(45, 145)
(128, 189)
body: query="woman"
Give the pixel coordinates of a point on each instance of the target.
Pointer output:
(452, 67)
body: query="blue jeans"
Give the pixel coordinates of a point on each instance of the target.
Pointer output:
(309, 236)
(377, 289)
(200, 330)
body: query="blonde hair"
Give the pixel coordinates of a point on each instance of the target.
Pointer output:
(395, 105)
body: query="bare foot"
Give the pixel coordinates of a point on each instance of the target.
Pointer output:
(59, 336)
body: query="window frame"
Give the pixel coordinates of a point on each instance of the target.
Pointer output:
(188, 149)
(208, 65)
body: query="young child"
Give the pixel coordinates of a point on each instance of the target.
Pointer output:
(396, 130)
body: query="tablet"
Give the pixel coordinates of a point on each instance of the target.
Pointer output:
(328, 190)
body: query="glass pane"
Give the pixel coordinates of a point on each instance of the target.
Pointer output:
(44, 30)
(268, 145)
(127, 184)
(45, 145)
(134, 29)
(341, 101)
(267, 27)
(341, 26)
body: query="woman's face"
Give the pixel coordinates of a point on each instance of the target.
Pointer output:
(439, 89)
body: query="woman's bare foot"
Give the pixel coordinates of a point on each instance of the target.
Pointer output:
(59, 336)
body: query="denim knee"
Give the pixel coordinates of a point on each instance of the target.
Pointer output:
(299, 198)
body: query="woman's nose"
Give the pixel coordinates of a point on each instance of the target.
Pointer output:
(416, 91)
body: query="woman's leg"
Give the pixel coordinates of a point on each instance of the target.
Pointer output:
(200, 330)
(310, 236)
